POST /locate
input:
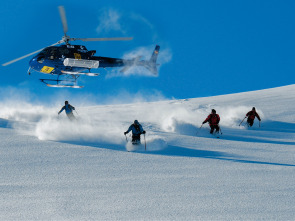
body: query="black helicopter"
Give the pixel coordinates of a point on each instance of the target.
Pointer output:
(68, 62)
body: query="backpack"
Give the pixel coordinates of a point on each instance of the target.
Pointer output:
(214, 119)
(251, 115)
(137, 128)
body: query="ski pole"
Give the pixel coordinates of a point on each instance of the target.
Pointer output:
(77, 112)
(199, 129)
(144, 142)
(220, 130)
(242, 121)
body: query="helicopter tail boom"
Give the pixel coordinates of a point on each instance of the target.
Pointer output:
(150, 64)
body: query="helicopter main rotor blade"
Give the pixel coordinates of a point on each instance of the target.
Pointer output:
(62, 14)
(102, 39)
(20, 58)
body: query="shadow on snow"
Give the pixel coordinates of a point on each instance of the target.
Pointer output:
(245, 135)
(5, 123)
(175, 151)
(186, 152)
(277, 126)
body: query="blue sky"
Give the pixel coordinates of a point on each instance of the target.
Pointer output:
(207, 47)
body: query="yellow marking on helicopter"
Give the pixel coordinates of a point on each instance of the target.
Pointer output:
(77, 56)
(47, 69)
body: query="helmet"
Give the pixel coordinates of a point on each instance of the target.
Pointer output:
(136, 122)
(213, 111)
(66, 102)
(253, 108)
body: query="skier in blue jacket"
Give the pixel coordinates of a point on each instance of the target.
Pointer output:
(137, 130)
(69, 110)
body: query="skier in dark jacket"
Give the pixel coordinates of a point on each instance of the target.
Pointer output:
(213, 120)
(137, 130)
(251, 116)
(69, 110)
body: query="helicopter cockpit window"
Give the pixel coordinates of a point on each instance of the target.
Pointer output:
(41, 59)
(44, 52)
(53, 53)
(64, 51)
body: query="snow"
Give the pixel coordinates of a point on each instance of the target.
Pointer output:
(53, 169)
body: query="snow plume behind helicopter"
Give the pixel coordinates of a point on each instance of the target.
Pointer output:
(141, 53)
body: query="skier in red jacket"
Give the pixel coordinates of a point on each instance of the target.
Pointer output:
(213, 120)
(251, 116)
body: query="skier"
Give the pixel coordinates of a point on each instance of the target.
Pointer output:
(213, 120)
(69, 110)
(251, 116)
(137, 130)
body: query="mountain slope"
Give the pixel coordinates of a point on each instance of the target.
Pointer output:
(53, 169)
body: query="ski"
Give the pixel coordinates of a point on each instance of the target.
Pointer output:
(217, 135)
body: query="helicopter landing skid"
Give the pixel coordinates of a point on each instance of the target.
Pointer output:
(61, 83)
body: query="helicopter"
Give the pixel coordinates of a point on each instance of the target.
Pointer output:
(68, 62)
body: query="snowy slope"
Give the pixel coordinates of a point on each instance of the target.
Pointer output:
(52, 169)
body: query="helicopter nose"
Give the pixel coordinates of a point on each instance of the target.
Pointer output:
(33, 60)
(33, 63)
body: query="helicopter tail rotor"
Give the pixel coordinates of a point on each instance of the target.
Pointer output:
(152, 63)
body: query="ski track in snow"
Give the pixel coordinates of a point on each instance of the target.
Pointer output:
(82, 169)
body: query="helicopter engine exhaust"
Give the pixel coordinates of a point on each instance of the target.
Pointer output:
(81, 63)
